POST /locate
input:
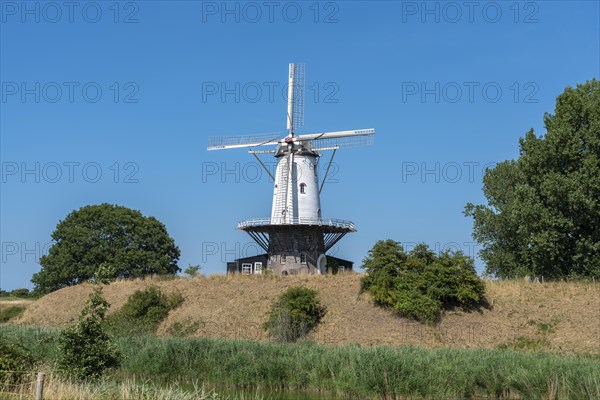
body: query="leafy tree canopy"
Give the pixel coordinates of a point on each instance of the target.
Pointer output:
(22, 293)
(543, 211)
(105, 242)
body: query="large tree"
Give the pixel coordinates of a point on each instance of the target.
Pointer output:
(543, 211)
(106, 242)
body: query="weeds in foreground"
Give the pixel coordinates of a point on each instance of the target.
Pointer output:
(57, 387)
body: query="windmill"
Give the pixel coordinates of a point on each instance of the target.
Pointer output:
(296, 237)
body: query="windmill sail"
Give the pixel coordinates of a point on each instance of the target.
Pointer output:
(232, 142)
(296, 88)
(342, 142)
(340, 139)
(299, 88)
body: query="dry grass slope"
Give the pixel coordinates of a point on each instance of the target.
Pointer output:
(562, 317)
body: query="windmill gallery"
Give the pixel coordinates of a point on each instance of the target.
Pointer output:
(295, 237)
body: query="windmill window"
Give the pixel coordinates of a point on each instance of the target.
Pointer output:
(303, 258)
(246, 268)
(303, 188)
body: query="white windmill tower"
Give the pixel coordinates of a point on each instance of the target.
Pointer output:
(296, 237)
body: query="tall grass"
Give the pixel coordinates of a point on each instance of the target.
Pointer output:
(364, 372)
(59, 388)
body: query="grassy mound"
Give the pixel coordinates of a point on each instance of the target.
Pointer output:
(561, 316)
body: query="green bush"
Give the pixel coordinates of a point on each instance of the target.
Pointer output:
(421, 284)
(295, 313)
(10, 312)
(16, 362)
(416, 305)
(143, 312)
(86, 350)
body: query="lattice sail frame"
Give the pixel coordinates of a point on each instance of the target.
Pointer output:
(229, 142)
(299, 74)
(342, 142)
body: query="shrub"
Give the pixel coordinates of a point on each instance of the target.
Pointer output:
(421, 284)
(86, 350)
(416, 305)
(295, 313)
(143, 312)
(16, 362)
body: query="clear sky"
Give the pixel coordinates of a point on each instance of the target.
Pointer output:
(114, 102)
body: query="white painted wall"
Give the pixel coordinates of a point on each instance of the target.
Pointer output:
(301, 206)
(308, 204)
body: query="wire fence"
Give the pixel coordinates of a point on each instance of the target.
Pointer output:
(18, 384)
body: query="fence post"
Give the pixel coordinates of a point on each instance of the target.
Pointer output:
(39, 386)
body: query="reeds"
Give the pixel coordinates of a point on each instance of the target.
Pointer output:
(363, 372)
(59, 388)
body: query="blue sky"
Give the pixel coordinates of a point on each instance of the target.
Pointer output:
(115, 103)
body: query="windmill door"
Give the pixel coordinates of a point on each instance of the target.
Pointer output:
(258, 268)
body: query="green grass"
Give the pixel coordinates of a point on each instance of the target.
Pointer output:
(10, 312)
(185, 328)
(523, 343)
(361, 372)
